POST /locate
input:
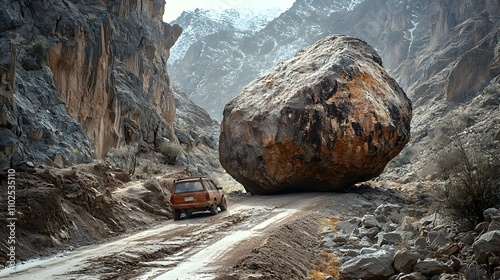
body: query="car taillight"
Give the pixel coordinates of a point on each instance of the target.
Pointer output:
(172, 199)
(207, 196)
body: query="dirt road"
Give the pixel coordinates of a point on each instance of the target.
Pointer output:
(247, 240)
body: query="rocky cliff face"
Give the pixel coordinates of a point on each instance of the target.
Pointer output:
(325, 119)
(82, 77)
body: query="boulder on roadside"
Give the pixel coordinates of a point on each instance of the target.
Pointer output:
(370, 221)
(404, 260)
(348, 226)
(420, 243)
(368, 232)
(483, 226)
(491, 212)
(486, 245)
(373, 266)
(153, 185)
(494, 224)
(447, 251)
(390, 238)
(437, 240)
(431, 267)
(467, 238)
(323, 120)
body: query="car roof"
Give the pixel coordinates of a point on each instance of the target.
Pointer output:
(190, 179)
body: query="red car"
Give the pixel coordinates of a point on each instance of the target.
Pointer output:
(196, 194)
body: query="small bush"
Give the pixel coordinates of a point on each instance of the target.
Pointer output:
(330, 223)
(146, 169)
(473, 180)
(492, 88)
(170, 151)
(124, 157)
(39, 49)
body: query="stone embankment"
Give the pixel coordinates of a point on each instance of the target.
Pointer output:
(400, 242)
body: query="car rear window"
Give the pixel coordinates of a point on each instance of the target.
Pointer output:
(185, 187)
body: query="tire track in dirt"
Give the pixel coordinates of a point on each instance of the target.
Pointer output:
(204, 246)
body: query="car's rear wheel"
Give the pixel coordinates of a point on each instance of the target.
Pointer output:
(177, 214)
(223, 204)
(213, 209)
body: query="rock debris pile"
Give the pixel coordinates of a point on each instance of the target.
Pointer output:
(394, 243)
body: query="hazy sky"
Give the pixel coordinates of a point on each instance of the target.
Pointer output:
(174, 8)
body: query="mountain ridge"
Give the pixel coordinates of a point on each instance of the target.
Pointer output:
(201, 23)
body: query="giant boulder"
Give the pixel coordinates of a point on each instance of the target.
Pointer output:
(323, 120)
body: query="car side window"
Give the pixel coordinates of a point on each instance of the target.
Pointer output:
(207, 185)
(214, 186)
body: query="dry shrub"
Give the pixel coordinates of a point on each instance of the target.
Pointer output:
(170, 151)
(147, 169)
(492, 88)
(124, 157)
(39, 49)
(330, 223)
(330, 266)
(473, 180)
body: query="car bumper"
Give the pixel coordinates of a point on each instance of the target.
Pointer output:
(197, 206)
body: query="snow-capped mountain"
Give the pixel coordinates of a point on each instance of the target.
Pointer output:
(201, 23)
(239, 59)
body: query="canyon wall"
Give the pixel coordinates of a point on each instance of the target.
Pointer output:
(82, 77)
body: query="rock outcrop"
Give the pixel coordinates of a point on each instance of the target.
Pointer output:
(88, 77)
(431, 247)
(325, 119)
